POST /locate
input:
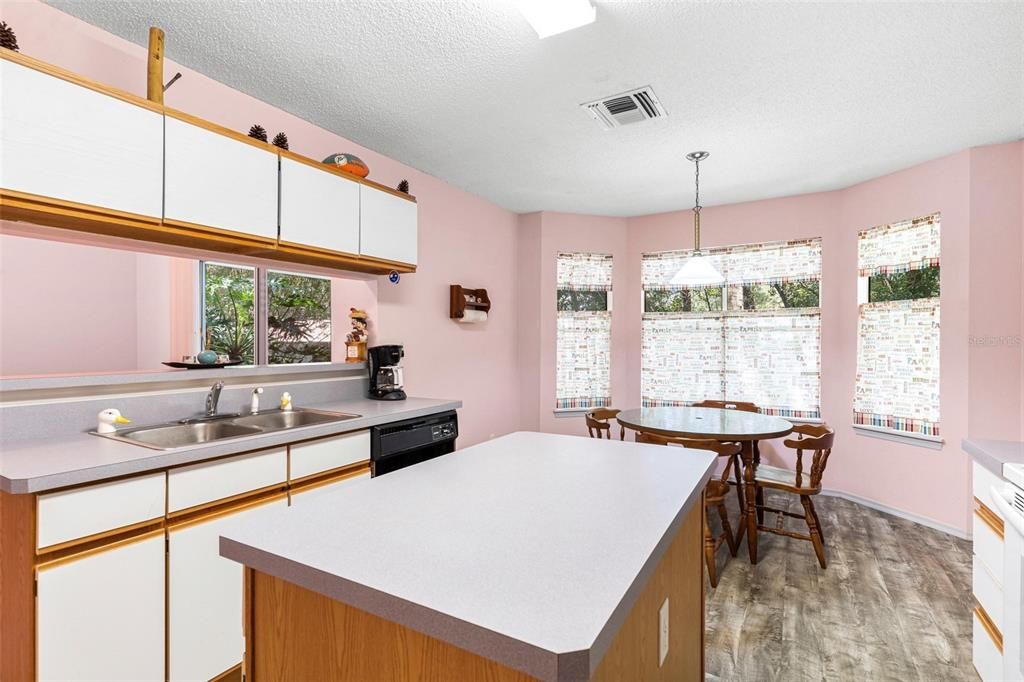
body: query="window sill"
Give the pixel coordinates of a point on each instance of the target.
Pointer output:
(571, 412)
(917, 440)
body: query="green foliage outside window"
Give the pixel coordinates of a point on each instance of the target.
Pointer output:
(229, 316)
(298, 318)
(802, 294)
(685, 301)
(902, 286)
(571, 300)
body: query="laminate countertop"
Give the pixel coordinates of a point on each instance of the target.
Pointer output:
(46, 464)
(993, 454)
(529, 549)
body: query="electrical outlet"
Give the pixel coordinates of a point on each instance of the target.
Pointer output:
(663, 633)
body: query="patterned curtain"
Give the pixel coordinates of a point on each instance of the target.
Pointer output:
(897, 384)
(899, 247)
(769, 357)
(768, 263)
(583, 352)
(585, 271)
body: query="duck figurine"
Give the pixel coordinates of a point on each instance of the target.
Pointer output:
(107, 419)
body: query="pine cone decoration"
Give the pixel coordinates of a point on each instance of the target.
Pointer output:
(281, 140)
(7, 37)
(259, 132)
(403, 186)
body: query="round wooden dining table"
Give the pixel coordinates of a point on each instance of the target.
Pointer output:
(720, 425)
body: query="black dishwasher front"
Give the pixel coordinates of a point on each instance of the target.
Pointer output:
(411, 441)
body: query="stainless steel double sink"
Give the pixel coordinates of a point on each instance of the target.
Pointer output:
(222, 427)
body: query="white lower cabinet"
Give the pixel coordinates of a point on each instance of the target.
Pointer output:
(101, 617)
(205, 599)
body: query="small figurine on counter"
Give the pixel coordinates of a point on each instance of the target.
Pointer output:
(355, 341)
(106, 419)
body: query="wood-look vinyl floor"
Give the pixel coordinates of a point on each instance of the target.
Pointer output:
(894, 603)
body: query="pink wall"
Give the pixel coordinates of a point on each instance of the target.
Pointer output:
(994, 352)
(462, 239)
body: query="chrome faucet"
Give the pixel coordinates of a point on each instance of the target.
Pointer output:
(212, 398)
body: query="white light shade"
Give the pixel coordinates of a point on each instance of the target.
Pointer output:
(549, 17)
(697, 272)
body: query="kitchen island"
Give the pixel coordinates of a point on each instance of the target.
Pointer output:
(531, 556)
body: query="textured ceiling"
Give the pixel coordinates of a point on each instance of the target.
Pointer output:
(789, 98)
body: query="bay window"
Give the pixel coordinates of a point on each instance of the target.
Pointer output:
(897, 387)
(755, 338)
(584, 324)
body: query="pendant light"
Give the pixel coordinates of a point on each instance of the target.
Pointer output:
(697, 271)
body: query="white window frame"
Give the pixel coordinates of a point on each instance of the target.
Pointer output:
(725, 313)
(562, 412)
(894, 435)
(261, 352)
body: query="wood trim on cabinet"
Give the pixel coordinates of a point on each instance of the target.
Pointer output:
(220, 130)
(67, 558)
(322, 478)
(989, 518)
(40, 210)
(989, 625)
(300, 253)
(216, 507)
(17, 587)
(232, 674)
(251, 241)
(97, 538)
(76, 79)
(226, 509)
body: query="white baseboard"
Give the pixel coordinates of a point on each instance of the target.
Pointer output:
(955, 532)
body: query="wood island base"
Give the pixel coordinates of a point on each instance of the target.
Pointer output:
(294, 634)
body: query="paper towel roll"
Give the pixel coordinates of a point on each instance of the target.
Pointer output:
(470, 316)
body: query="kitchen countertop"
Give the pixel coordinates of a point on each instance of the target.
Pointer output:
(529, 549)
(84, 458)
(993, 454)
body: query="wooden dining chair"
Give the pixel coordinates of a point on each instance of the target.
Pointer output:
(738, 483)
(816, 438)
(714, 495)
(599, 423)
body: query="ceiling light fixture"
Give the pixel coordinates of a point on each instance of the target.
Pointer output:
(549, 17)
(697, 271)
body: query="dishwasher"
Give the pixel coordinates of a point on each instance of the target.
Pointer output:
(397, 445)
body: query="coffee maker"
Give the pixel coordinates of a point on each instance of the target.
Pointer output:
(386, 372)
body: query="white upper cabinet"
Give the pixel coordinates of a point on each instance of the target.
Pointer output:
(217, 181)
(318, 208)
(388, 226)
(65, 141)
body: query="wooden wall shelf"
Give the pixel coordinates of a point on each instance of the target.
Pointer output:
(463, 299)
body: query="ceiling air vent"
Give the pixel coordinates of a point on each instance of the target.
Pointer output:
(633, 106)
